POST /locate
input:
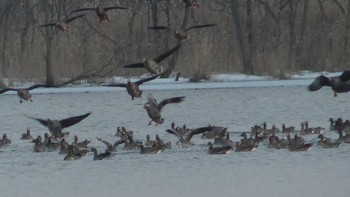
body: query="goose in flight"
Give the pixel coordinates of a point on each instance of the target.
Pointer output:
(152, 65)
(154, 108)
(133, 87)
(56, 126)
(63, 24)
(339, 84)
(181, 34)
(24, 94)
(101, 12)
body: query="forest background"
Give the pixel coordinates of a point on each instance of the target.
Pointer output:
(257, 37)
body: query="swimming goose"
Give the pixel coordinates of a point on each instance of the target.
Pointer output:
(24, 94)
(101, 12)
(215, 131)
(148, 141)
(63, 147)
(276, 142)
(130, 144)
(122, 133)
(150, 150)
(285, 129)
(154, 108)
(83, 144)
(179, 34)
(298, 144)
(63, 24)
(219, 150)
(50, 145)
(56, 126)
(152, 65)
(133, 87)
(327, 142)
(246, 144)
(185, 141)
(315, 130)
(27, 136)
(342, 138)
(179, 131)
(111, 148)
(71, 155)
(100, 156)
(339, 84)
(160, 143)
(39, 146)
(4, 141)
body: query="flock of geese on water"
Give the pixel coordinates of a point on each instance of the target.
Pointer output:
(222, 144)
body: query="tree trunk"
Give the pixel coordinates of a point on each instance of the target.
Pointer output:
(300, 57)
(48, 42)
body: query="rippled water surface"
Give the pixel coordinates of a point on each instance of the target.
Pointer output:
(176, 172)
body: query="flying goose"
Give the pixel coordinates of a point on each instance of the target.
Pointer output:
(133, 87)
(154, 108)
(63, 24)
(152, 65)
(23, 93)
(181, 34)
(101, 12)
(185, 141)
(339, 84)
(56, 126)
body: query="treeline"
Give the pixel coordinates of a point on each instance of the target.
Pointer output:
(251, 36)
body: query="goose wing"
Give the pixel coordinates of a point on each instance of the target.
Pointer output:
(136, 65)
(116, 85)
(41, 86)
(161, 28)
(199, 26)
(73, 120)
(48, 24)
(73, 18)
(115, 7)
(83, 9)
(318, 83)
(41, 121)
(170, 100)
(345, 76)
(166, 54)
(197, 131)
(141, 81)
(7, 89)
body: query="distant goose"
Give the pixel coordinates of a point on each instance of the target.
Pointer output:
(101, 12)
(150, 150)
(215, 131)
(219, 150)
(191, 3)
(4, 141)
(101, 155)
(185, 141)
(56, 126)
(111, 148)
(152, 65)
(83, 144)
(39, 146)
(326, 142)
(277, 143)
(133, 87)
(154, 108)
(27, 136)
(63, 24)
(23, 93)
(285, 129)
(179, 34)
(339, 84)
(63, 147)
(71, 155)
(298, 144)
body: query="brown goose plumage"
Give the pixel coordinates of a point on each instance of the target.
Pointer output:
(152, 65)
(63, 24)
(154, 108)
(24, 94)
(180, 34)
(339, 84)
(133, 87)
(101, 12)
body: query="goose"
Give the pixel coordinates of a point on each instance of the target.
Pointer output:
(111, 148)
(314, 129)
(101, 12)
(56, 126)
(154, 108)
(24, 94)
(27, 135)
(63, 147)
(276, 142)
(63, 24)
(150, 150)
(100, 156)
(160, 143)
(339, 84)
(185, 142)
(179, 131)
(133, 87)
(215, 131)
(285, 129)
(152, 65)
(83, 144)
(342, 138)
(130, 144)
(219, 150)
(326, 142)
(298, 144)
(179, 34)
(71, 155)
(246, 144)
(39, 146)
(4, 141)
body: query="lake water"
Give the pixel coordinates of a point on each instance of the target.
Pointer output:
(175, 172)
